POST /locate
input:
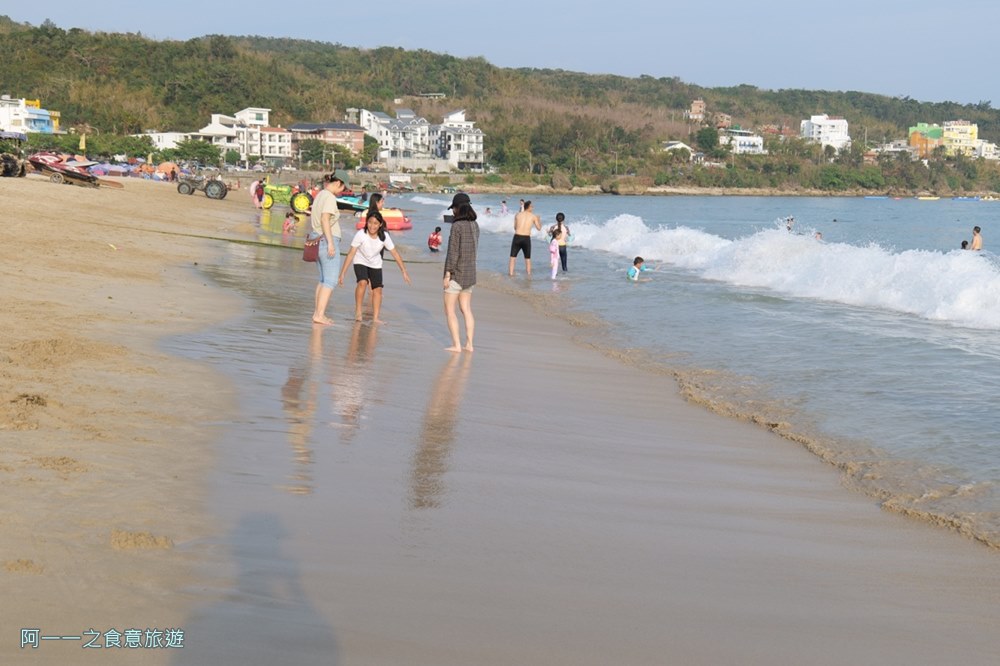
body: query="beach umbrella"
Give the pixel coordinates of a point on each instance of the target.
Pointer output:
(166, 167)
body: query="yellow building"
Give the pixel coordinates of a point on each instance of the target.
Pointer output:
(960, 137)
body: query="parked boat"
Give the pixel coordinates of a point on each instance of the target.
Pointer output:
(62, 170)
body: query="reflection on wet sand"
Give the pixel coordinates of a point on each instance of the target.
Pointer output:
(298, 398)
(430, 462)
(349, 382)
(277, 229)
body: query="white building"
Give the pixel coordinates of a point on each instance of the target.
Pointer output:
(408, 141)
(827, 131)
(248, 133)
(23, 115)
(742, 142)
(165, 140)
(409, 136)
(987, 150)
(460, 142)
(376, 125)
(671, 146)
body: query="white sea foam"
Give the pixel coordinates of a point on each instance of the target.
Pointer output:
(442, 201)
(957, 287)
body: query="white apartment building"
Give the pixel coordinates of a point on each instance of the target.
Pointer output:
(410, 141)
(742, 142)
(460, 142)
(248, 133)
(827, 131)
(376, 125)
(409, 136)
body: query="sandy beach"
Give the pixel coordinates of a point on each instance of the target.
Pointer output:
(356, 495)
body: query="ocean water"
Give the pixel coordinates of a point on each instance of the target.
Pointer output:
(876, 345)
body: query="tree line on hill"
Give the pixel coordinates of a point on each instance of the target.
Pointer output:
(539, 124)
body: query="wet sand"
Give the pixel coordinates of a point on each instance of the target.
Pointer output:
(370, 498)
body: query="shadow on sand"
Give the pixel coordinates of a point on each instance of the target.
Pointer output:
(264, 617)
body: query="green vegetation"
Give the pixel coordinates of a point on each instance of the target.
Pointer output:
(590, 129)
(97, 144)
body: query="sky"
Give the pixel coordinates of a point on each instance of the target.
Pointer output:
(929, 51)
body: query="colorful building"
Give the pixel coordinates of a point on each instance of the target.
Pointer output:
(27, 115)
(697, 111)
(925, 138)
(960, 137)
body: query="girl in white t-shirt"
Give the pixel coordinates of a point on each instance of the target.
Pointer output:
(366, 257)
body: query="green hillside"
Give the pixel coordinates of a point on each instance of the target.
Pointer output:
(542, 121)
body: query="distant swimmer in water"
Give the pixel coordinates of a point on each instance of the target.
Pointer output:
(965, 245)
(638, 266)
(818, 235)
(977, 240)
(789, 222)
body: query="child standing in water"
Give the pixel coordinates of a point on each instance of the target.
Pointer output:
(561, 233)
(366, 257)
(554, 254)
(434, 240)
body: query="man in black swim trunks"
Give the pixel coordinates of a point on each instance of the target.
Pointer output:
(523, 222)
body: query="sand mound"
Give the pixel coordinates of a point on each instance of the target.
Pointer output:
(23, 566)
(126, 540)
(60, 351)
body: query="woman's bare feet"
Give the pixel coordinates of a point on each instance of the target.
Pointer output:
(457, 350)
(323, 321)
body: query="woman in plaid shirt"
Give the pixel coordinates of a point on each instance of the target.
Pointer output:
(460, 270)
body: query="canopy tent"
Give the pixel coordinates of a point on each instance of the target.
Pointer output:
(18, 136)
(167, 167)
(108, 169)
